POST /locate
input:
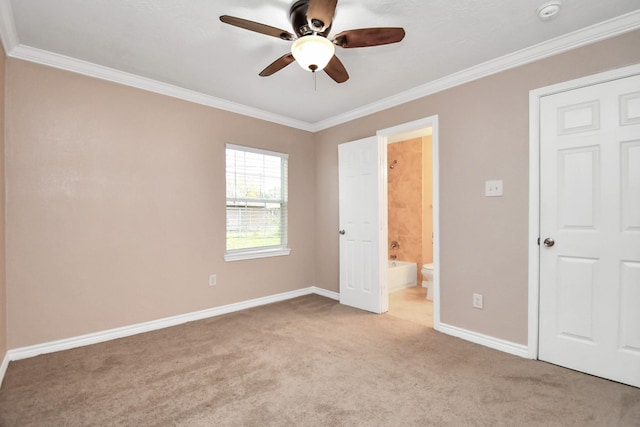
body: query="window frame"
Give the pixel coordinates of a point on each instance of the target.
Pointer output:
(265, 251)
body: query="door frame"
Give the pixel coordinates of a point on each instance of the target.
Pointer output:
(534, 185)
(383, 140)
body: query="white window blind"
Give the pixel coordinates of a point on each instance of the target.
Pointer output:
(256, 183)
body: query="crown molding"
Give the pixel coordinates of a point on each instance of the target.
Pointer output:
(601, 31)
(592, 34)
(128, 79)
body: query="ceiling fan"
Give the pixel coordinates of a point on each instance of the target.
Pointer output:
(311, 21)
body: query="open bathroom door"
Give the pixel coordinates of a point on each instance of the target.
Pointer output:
(360, 227)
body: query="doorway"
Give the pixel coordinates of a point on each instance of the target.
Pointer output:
(425, 131)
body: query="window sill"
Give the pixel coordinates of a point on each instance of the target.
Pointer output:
(263, 253)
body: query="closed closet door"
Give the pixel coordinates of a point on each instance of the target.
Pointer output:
(589, 316)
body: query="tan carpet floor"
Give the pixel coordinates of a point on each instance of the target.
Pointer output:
(304, 362)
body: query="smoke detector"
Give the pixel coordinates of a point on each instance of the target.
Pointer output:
(549, 10)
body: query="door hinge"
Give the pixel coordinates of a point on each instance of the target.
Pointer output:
(538, 241)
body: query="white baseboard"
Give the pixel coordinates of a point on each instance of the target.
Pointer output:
(325, 293)
(485, 340)
(111, 334)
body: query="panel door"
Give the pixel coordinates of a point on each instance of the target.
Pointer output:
(359, 224)
(590, 207)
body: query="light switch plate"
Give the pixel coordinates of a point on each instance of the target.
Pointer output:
(478, 301)
(493, 188)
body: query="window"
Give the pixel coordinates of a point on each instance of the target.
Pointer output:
(256, 203)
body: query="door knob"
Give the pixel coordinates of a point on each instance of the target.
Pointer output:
(548, 242)
(342, 232)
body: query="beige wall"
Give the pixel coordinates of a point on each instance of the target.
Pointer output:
(115, 213)
(115, 209)
(483, 134)
(3, 282)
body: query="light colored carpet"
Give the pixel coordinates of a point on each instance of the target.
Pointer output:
(304, 362)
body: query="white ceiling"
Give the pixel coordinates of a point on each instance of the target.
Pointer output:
(180, 47)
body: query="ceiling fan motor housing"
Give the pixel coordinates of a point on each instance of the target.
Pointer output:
(298, 17)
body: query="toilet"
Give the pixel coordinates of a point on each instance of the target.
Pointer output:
(427, 275)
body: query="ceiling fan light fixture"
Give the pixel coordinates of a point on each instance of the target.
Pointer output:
(313, 53)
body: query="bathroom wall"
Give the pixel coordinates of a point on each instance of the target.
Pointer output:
(405, 200)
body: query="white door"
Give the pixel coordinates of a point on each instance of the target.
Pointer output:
(590, 206)
(359, 224)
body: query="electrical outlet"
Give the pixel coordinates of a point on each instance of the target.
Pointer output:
(477, 301)
(493, 188)
(212, 280)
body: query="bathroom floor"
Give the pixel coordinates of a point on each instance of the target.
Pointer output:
(411, 304)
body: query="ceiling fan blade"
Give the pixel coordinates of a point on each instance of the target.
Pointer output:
(257, 27)
(336, 70)
(278, 65)
(320, 13)
(365, 37)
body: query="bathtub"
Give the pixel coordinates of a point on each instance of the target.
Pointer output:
(401, 275)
